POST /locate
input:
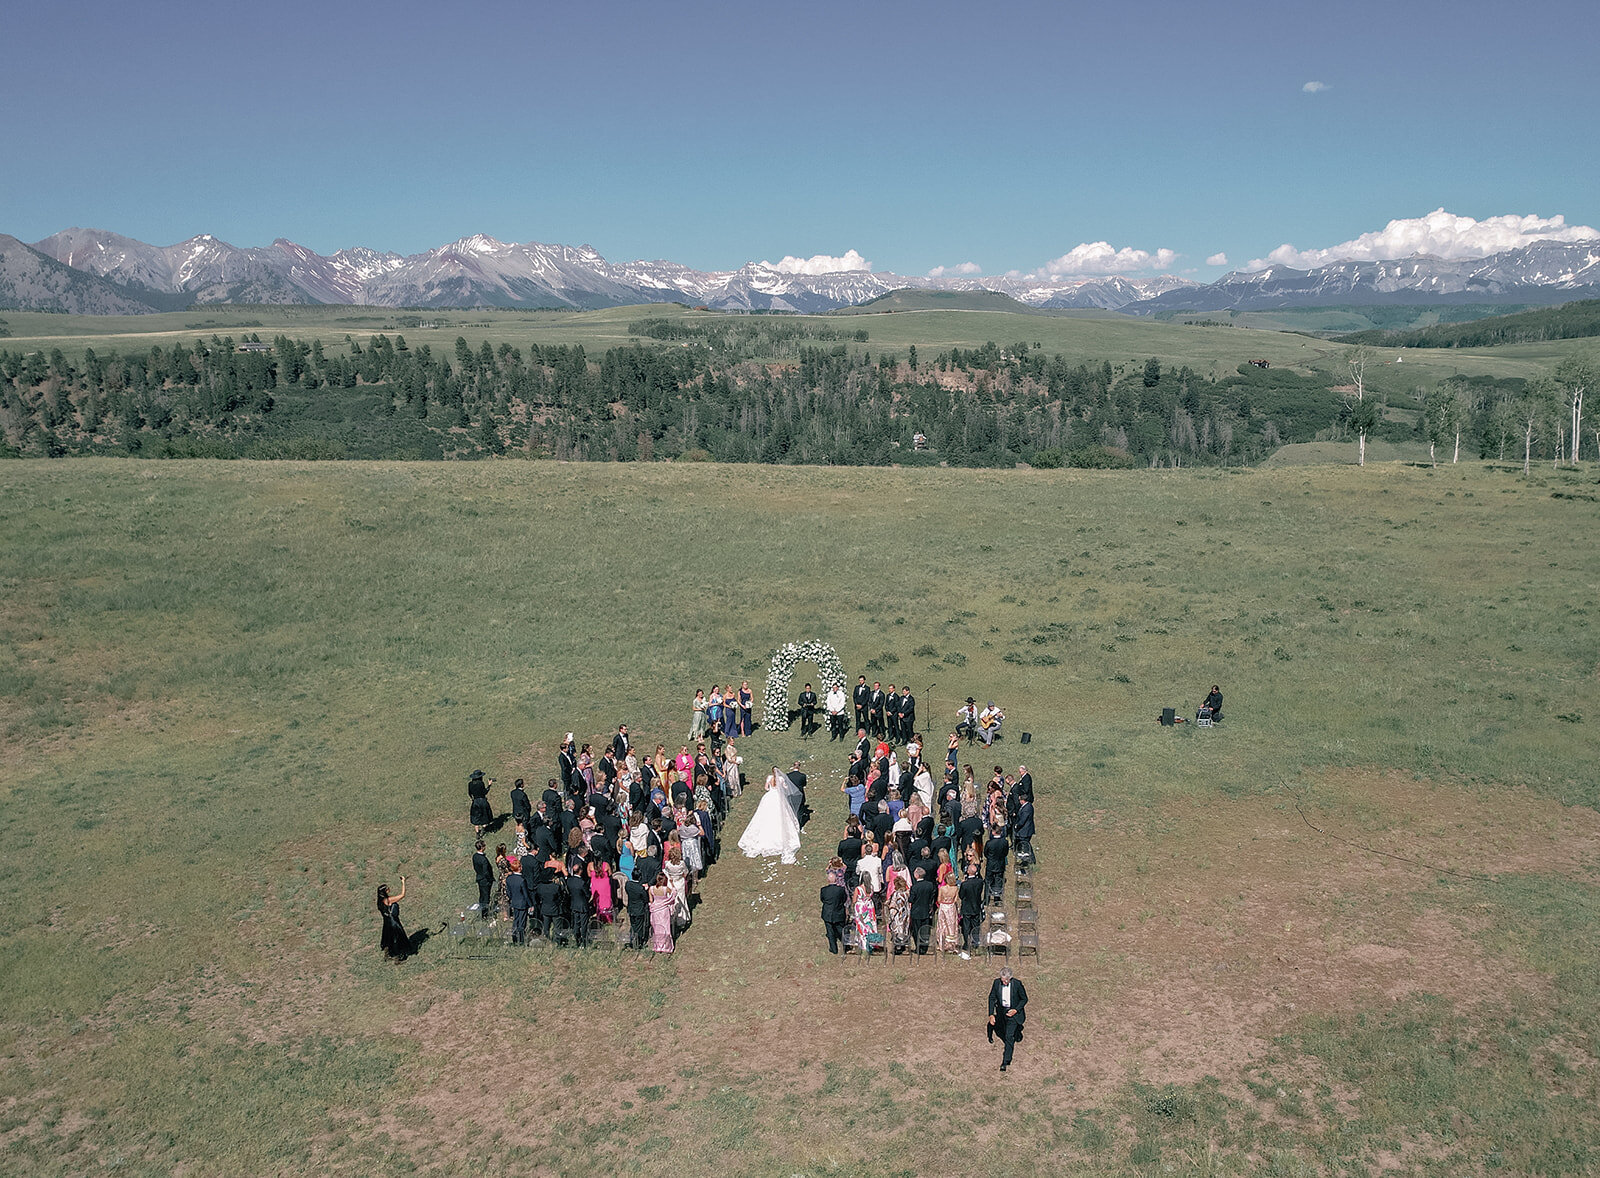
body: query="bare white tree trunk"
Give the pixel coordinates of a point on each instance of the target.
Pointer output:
(1358, 376)
(1457, 457)
(1577, 423)
(1527, 446)
(1431, 459)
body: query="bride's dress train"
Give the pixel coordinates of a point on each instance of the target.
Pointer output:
(775, 826)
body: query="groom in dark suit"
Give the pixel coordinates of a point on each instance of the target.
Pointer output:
(1008, 1002)
(833, 914)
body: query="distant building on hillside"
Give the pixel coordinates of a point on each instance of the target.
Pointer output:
(252, 346)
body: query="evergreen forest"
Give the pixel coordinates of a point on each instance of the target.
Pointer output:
(757, 389)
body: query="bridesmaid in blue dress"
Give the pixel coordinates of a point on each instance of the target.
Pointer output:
(747, 704)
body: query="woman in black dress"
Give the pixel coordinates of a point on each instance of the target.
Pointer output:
(478, 790)
(394, 941)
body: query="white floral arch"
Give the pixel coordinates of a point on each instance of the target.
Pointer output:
(775, 707)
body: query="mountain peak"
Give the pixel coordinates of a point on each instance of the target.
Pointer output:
(480, 270)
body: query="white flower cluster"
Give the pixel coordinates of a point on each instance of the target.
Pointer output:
(775, 710)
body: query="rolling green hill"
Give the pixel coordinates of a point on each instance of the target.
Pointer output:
(938, 300)
(1579, 320)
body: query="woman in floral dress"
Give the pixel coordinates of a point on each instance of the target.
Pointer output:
(866, 915)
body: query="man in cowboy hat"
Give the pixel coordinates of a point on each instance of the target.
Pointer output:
(967, 719)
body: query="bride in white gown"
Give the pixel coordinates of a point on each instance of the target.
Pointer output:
(775, 826)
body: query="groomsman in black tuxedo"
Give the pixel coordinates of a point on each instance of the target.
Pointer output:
(834, 899)
(908, 716)
(620, 743)
(891, 710)
(808, 711)
(875, 710)
(1008, 1010)
(862, 697)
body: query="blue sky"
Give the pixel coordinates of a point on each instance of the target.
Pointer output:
(920, 135)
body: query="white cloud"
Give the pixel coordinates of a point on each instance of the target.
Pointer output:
(1217, 259)
(1100, 257)
(955, 271)
(821, 264)
(1440, 234)
(1315, 87)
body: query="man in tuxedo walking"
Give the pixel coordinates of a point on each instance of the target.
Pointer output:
(1008, 1002)
(834, 898)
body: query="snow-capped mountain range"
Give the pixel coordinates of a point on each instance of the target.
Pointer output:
(481, 271)
(1546, 271)
(95, 271)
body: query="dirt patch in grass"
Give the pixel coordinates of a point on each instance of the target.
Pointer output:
(1167, 957)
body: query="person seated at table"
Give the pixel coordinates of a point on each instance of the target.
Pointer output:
(1214, 702)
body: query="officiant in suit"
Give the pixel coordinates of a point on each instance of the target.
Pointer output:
(808, 711)
(1008, 1003)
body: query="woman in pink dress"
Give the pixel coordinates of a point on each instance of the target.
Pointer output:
(662, 904)
(600, 890)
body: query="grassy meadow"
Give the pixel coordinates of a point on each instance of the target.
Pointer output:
(1355, 928)
(1079, 336)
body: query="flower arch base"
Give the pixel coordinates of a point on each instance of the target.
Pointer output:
(780, 675)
